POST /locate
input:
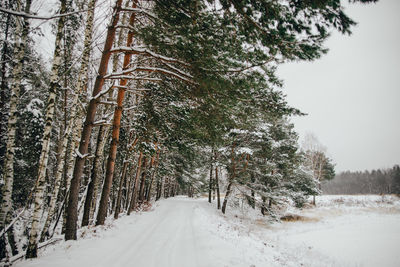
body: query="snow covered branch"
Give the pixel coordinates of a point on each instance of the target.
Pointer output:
(122, 74)
(144, 51)
(78, 154)
(29, 16)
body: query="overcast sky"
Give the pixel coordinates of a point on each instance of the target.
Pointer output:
(352, 94)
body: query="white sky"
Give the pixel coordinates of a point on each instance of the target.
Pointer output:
(352, 94)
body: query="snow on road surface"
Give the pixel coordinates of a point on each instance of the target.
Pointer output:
(173, 234)
(183, 232)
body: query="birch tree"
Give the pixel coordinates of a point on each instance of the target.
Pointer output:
(81, 84)
(21, 36)
(31, 251)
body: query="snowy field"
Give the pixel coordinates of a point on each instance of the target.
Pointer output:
(340, 231)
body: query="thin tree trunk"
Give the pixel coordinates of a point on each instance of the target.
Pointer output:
(162, 193)
(253, 202)
(217, 186)
(74, 143)
(72, 209)
(230, 180)
(210, 183)
(59, 215)
(166, 187)
(263, 205)
(80, 86)
(150, 172)
(152, 176)
(129, 191)
(31, 251)
(121, 183)
(158, 195)
(8, 169)
(251, 199)
(228, 192)
(4, 90)
(57, 185)
(142, 181)
(94, 184)
(133, 201)
(102, 213)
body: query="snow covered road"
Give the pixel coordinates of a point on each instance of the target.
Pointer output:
(183, 232)
(173, 234)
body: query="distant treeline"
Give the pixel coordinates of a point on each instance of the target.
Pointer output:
(386, 181)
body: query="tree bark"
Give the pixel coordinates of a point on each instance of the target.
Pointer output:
(158, 195)
(129, 191)
(81, 84)
(210, 183)
(155, 164)
(102, 213)
(263, 205)
(142, 181)
(8, 169)
(4, 91)
(31, 251)
(133, 201)
(217, 186)
(230, 179)
(57, 185)
(96, 173)
(72, 209)
(121, 184)
(165, 187)
(104, 130)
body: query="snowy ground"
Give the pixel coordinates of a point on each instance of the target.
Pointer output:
(341, 231)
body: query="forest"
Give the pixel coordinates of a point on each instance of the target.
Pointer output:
(143, 100)
(380, 181)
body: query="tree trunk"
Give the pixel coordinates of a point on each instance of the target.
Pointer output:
(228, 192)
(79, 88)
(8, 169)
(155, 163)
(230, 179)
(57, 184)
(96, 173)
(31, 251)
(102, 213)
(166, 187)
(217, 186)
(103, 137)
(158, 195)
(72, 209)
(121, 183)
(4, 91)
(143, 181)
(253, 202)
(162, 189)
(129, 191)
(133, 201)
(263, 205)
(210, 183)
